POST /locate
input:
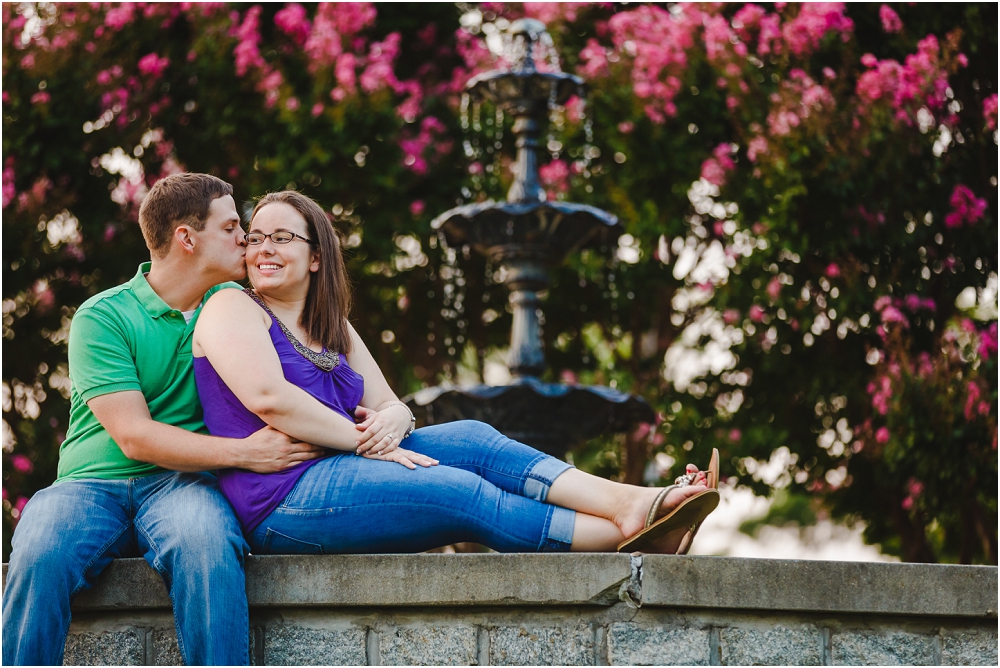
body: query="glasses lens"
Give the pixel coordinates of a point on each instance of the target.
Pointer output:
(282, 237)
(255, 239)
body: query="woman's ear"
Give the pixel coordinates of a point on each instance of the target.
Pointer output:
(314, 264)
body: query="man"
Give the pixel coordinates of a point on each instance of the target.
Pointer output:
(131, 477)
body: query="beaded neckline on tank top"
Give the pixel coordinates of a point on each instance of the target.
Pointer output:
(326, 360)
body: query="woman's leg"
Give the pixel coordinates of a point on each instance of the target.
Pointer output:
(607, 512)
(479, 448)
(622, 506)
(348, 504)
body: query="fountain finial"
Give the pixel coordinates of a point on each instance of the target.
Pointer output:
(524, 34)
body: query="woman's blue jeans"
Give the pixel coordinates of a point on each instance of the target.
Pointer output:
(487, 489)
(180, 522)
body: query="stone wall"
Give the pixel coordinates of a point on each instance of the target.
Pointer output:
(528, 609)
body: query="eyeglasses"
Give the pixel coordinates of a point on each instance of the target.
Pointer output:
(280, 237)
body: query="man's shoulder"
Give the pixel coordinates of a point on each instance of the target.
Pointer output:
(111, 299)
(223, 286)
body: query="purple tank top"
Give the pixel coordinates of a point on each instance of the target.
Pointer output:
(255, 495)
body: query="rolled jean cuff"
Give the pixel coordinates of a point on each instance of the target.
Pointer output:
(541, 475)
(560, 534)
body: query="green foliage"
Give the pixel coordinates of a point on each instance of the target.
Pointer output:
(757, 344)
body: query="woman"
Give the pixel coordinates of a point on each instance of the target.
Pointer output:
(284, 355)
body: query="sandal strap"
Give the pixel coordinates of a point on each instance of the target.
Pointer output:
(653, 509)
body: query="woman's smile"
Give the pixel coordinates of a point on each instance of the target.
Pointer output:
(268, 267)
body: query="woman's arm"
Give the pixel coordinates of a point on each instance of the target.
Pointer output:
(232, 332)
(386, 414)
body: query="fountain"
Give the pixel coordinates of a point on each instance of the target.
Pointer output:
(525, 235)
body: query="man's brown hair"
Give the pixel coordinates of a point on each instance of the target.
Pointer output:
(178, 199)
(328, 302)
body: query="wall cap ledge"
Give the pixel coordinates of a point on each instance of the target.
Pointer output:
(420, 580)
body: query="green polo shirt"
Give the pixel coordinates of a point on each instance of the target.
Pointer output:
(127, 338)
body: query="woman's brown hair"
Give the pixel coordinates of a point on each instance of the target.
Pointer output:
(328, 302)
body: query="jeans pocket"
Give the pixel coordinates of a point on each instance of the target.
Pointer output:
(276, 542)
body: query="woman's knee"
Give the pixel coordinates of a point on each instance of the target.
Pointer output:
(460, 433)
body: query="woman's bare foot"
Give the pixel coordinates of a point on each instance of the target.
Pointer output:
(633, 518)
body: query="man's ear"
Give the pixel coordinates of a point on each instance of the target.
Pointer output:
(185, 238)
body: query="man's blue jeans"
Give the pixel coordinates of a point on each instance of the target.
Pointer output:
(180, 522)
(487, 489)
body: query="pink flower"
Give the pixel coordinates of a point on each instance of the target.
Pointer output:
(716, 37)
(735, 435)
(555, 177)
(41, 97)
(152, 65)
(805, 31)
(890, 19)
(641, 431)
(990, 111)
(120, 16)
(730, 316)
(773, 288)
(987, 341)
(19, 505)
(626, 127)
(833, 270)
(568, 377)
(882, 435)
(345, 71)
(379, 73)
(892, 314)
(715, 168)
(417, 207)
(966, 208)
(22, 464)
(593, 59)
(9, 190)
(292, 104)
(756, 313)
(414, 148)
(247, 52)
(28, 61)
(756, 147)
(973, 394)
(293, 22)
(317, 109)
(907, 503)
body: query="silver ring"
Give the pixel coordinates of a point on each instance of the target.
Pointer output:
(388, 436)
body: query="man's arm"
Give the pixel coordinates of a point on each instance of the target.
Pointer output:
(126, 417)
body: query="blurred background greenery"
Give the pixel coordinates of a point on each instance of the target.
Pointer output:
(807, 278)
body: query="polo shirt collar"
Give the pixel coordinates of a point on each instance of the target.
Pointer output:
(154, 305)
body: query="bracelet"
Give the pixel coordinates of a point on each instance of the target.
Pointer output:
(413, 420)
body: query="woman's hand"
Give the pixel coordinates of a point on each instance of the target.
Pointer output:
(407, 458)
(381, 431)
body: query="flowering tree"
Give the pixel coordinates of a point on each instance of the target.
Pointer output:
(808, 193)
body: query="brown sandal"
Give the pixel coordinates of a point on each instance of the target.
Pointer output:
(712, 480)
(689, 513)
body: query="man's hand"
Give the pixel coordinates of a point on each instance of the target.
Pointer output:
(269, 450)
